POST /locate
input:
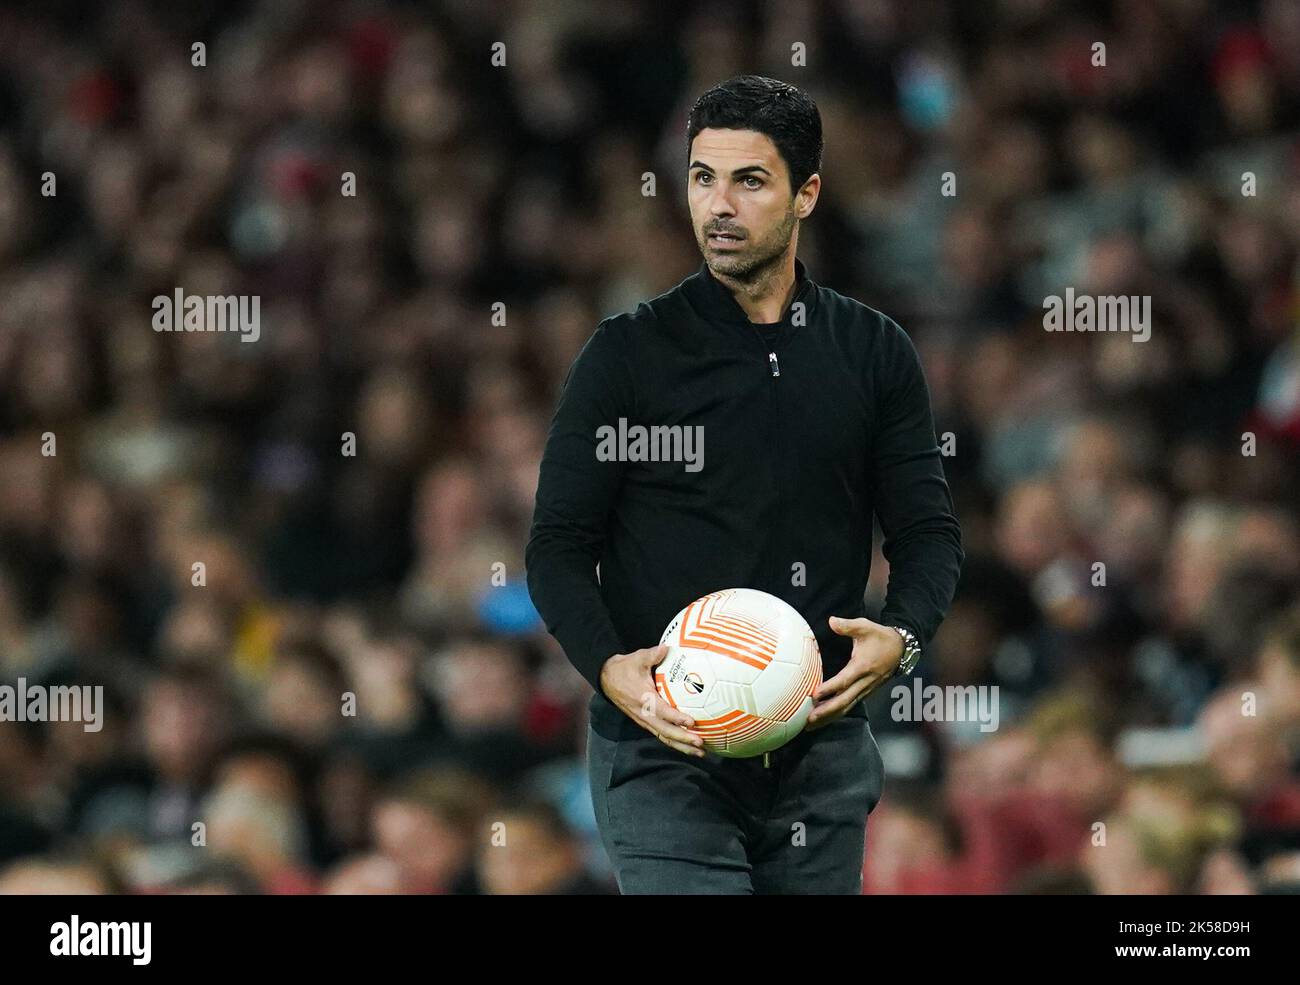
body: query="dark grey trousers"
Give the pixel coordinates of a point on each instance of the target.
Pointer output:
(672, 823)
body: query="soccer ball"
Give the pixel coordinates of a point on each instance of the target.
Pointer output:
(744, 665)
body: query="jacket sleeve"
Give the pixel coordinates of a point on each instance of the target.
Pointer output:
(575, 493)
(912, 500)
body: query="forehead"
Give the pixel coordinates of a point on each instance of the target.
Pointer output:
(731, 149)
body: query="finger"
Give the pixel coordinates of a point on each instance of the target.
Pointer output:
(653, 656)
(835, 685)
(849, 627)
(827, 713)
(662, 727)
(858, 686)
(654, 707)
(668, 713)
(874, 682)
(812, 725)
(837, 706)
(680, 735)
(682, 747)
(678, 739)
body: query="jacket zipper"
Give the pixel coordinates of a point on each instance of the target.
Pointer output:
(774, 415)
(775, 367)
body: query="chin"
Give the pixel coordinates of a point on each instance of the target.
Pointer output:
(726, 262)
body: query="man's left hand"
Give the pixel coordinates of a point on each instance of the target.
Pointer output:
(877, 651)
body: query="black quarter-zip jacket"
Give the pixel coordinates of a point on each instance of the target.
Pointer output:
(805, 438)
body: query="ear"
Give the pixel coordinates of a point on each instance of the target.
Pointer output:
(806, 197)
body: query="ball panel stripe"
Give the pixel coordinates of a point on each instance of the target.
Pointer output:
(701, 644)
(696, 632)
(662, 686)
(702, 635)
(725, 646)
(721, 611)
(767, 641)
(706, 722)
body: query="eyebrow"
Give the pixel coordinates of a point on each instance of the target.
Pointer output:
(738, 173)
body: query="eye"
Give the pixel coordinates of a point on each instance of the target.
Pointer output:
(757, 182)
(703, 177)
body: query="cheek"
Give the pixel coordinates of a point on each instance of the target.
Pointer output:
(762, 217)
(696, 202)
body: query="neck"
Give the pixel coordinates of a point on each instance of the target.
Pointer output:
(765, 296)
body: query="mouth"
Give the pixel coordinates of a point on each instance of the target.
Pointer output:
(725, 240)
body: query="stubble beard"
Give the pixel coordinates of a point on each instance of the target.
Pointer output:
(751, 265)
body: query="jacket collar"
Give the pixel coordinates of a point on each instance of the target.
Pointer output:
(712, 299)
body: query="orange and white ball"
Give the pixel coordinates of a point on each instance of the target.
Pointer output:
(744, 665)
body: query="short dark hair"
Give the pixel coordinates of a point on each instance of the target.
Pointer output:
(784, 113)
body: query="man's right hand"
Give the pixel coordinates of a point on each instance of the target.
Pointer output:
(628, 680)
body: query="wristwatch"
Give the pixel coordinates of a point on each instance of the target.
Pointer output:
(911, 650)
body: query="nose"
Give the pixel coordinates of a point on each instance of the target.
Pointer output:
(720, 202)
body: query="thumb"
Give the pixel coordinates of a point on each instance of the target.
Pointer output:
(653, 656)
(848, 627)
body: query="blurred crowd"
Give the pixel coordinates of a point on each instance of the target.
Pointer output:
(354, 693)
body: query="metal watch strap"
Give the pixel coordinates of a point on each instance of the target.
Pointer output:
(911, 650)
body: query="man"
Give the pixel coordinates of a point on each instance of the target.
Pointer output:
(815, 416)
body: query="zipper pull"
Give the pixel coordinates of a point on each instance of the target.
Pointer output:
(766, 761)
(776, 368)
